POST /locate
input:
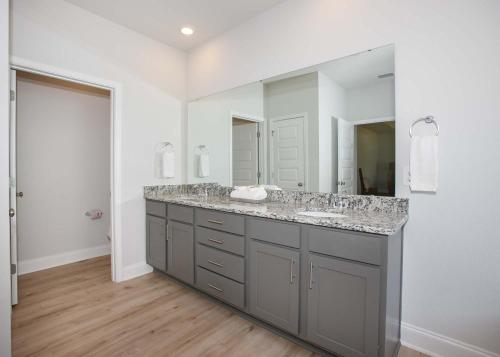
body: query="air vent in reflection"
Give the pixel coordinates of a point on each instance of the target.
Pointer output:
(385, 75)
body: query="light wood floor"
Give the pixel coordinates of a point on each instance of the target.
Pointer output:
(76, 310)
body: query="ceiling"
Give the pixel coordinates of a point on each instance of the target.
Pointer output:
(353, 71)
(361, 69)
(163, 19)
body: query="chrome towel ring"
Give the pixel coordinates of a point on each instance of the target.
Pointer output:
(428, 120)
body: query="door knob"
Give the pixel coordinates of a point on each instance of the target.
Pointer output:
(12, 213)
(20, 194)
(300, 184)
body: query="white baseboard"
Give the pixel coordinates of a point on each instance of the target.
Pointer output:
(135, 270)
(32, 265)
(436, 345)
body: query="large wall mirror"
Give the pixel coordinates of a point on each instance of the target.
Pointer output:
(326, 128)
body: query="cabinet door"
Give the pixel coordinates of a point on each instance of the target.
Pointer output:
(343, 306)
(181, 251)
(156, 248)
(274, 285)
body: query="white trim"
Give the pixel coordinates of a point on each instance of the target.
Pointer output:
(32, 265)
(136, 270)
(116, 141)
(247, 117)
(307, 184)
(372, 120)
(436, 345)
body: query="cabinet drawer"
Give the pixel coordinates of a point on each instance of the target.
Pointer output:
(221, 262)
(180, 213)
(222, 221)
(156, 208)
(274, 232)
(221, 287)
(352, 246)
(225, 241)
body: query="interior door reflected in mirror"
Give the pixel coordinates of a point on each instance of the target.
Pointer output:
(325, 128)
(245, 152)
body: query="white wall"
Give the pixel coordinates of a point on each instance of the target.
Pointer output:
(371, 101)
(447, 55)
(331, 104)
(152, 76)
(63, 169)
(5, 308)
(210, 124)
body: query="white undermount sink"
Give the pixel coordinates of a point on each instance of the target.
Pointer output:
(320, 214)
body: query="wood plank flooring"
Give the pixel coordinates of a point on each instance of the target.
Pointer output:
(75, 310)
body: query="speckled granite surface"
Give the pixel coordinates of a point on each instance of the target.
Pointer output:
(370, 214)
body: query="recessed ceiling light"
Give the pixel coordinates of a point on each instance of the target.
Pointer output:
(188, 31)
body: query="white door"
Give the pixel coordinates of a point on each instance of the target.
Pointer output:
(13, 188)
(245, 153)
(346, 157)
(288, 152)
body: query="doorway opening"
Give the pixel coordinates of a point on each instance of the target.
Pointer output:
(245, 152)
(61, 165)
(376, 157)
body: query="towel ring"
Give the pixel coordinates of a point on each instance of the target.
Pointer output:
(202, 149)
(428, 120)
(164, 147)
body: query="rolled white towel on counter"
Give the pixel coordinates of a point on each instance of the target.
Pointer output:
(168, 164)
(204, 165)
(270, 187)
(254, 193)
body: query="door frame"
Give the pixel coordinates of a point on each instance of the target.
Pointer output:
(14, 273)
(373, 120)
(251, 118)
(306, 146)
(115, 89)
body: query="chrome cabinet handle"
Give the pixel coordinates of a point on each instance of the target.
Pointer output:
(215, 288)
(215, 263)
(215, 222)
(300, 184)
(291, 271)
(215, 241)
(310, 274)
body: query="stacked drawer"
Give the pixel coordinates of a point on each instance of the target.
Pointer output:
(220, 255)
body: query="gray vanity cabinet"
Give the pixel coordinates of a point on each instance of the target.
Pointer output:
(343, 306)
(334, 289)
(274, 285)
(156, 243)
(180, 249)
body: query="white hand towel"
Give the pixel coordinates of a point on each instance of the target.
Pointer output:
(424, 163)
(168, 165)
(204, 165)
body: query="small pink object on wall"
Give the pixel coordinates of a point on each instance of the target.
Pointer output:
(94, 214)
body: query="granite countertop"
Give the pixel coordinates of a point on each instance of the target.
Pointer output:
(377, 221)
